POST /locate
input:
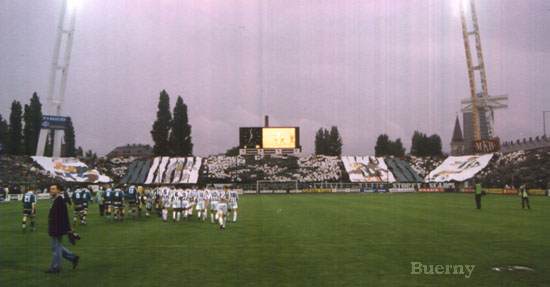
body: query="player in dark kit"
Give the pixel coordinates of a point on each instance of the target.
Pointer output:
(118, 203)
(108, 201)
(29, 202)
(132, 199)
(78, 201)
(87, 197)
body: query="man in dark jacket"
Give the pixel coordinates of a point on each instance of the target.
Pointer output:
(58, 225)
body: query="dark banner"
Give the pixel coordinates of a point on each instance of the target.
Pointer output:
(54, 122)
(486, 146)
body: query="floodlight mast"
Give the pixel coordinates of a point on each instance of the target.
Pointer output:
(56, 92)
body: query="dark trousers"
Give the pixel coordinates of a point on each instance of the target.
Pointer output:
(101, 209)
(478, 201)
(523, 201)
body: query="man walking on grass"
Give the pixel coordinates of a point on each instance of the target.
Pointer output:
(58, 225)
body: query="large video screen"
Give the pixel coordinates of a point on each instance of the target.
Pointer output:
(279, 137)
(250, 137)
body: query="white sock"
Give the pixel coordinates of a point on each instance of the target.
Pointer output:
(178, 216)
(234, 216)
(174, 215)
(220, 220)
(212, 217)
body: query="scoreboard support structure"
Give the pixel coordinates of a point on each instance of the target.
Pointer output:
(262, 152)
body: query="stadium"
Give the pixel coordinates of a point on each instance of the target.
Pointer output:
(355, 210)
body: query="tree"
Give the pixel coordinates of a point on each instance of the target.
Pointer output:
(161, 126)
(328, 143)
(69, 138)
(422, 145)
(397, 148)
(3, 135)
(27, 131)
(382, 146)
(386, 147)
(180, 135)
(33, 122)
(48, 149)
(79, 152)
(36, 120)
(234, 151)
(334, 142)
(435, 145)
(15, 135)
(320, 142)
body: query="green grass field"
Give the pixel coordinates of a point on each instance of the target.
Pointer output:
(296, 240)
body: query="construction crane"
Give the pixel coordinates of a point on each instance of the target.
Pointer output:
(481, 105)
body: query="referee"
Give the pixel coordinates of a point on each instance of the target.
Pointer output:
(58, 225)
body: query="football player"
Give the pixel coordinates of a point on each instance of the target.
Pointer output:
(140, 195)
(202, 201)
(233, 196)
(165, 203)
(132, 199)
(192, 200)
(176, 204)
(148, 198)
(86, 198)
(78, 201)
(29, 204)
(222, 208)
(157, 199)
(118, 203)
(185, 203)
(214, 198)
(108, 201)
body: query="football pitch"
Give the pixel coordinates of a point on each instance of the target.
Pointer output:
(296, 240)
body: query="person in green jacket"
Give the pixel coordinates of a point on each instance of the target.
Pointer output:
(99, 200)
(524, 194)
(478, 191)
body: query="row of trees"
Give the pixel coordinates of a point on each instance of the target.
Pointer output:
(422, 145)
(172, 136)
(20, 135)
(328, 143)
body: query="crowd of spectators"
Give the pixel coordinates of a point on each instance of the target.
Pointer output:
(515, 168)
(510, 169)
(423, 165)
(19, 171)
(303, 169)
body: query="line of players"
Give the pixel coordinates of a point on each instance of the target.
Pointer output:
(80, 198)
(182, 201)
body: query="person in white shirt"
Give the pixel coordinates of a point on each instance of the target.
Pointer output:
(233, 196)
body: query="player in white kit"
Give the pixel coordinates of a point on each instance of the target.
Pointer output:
(165, 203)
(192, 200)
(184, 202)
(222, 208)
(233, 196)
(202, 200)
(214, 199)
(176, 204)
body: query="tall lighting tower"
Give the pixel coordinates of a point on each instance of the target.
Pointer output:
(58, 80)
(481, 105)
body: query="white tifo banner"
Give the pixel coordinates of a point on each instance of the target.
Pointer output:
(367, 169)
(70, 169)
(459, 168)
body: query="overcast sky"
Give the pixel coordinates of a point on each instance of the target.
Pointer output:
(368, 67)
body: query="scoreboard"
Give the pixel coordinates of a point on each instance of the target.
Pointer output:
(272, 138)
